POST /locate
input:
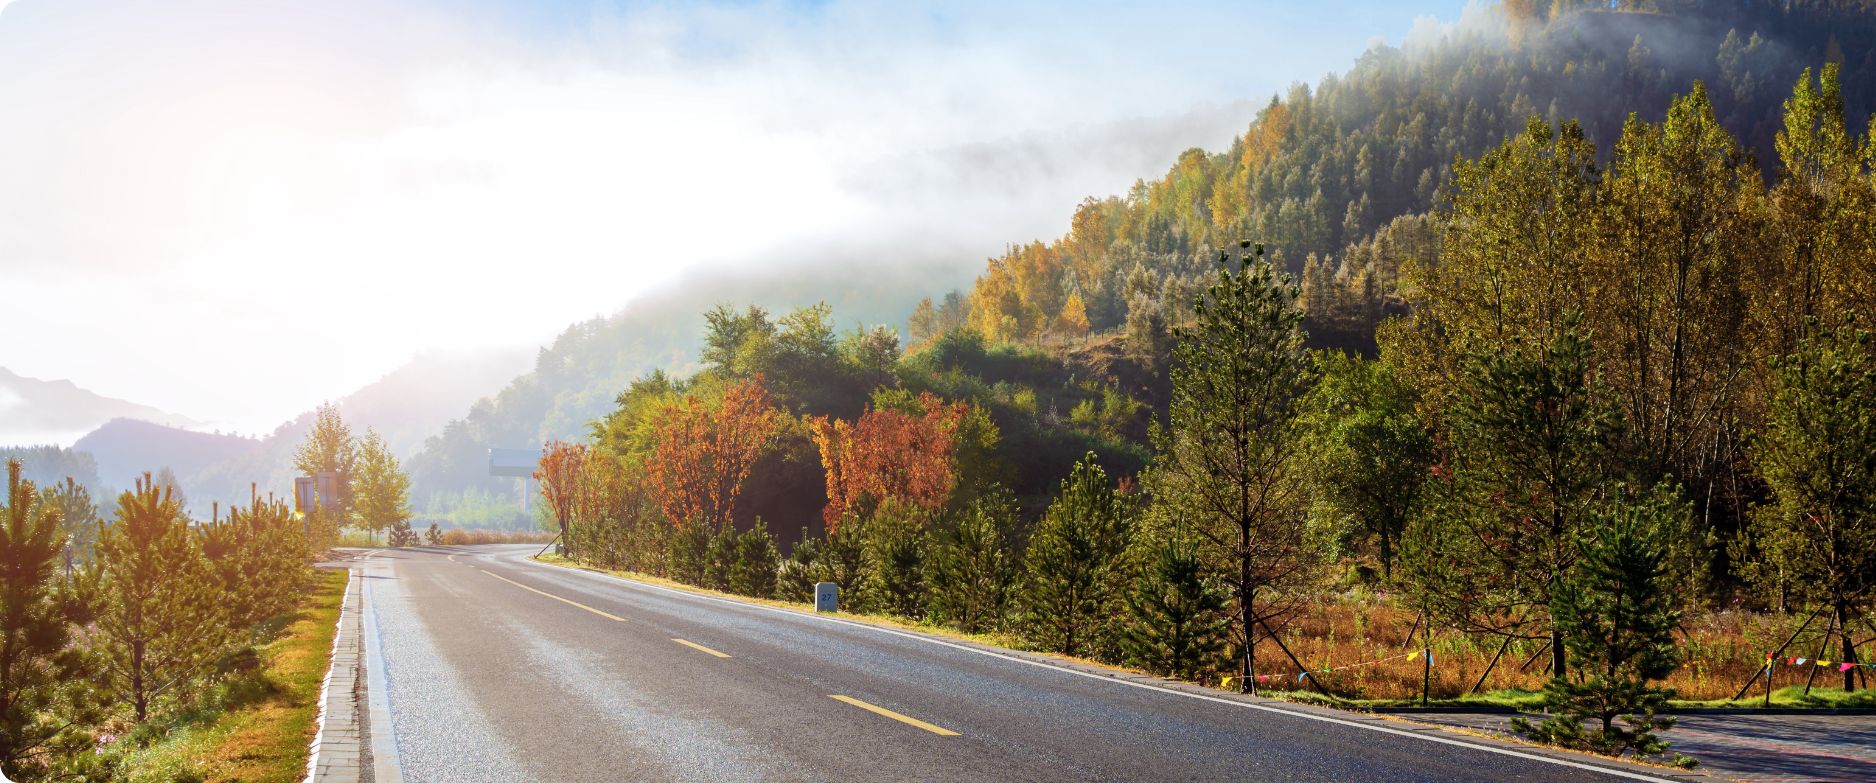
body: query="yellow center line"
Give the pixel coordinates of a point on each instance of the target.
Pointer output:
(906, 719)
(701, 648)
(551, 595)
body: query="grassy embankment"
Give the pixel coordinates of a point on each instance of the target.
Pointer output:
(256, 726)
(1721, 651)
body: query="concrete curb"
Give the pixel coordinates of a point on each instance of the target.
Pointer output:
(335, 750)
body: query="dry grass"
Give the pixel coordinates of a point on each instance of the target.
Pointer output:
(467, 537)
(1721, 650)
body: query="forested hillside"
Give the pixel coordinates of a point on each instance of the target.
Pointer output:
(579, 377)
(1324, 176)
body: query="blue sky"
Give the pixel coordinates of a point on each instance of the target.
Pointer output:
(175, 172)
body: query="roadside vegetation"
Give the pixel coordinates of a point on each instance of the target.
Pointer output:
(149, 646)
(256, 726)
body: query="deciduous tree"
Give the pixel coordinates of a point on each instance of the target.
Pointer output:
(1818, 455)
(705, 450)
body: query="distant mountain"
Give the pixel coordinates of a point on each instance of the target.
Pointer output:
(35, 412)
(126, 448)
(405, 406)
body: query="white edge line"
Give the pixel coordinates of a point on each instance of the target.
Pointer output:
(1102, 678)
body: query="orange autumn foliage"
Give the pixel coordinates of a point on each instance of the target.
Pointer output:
(889, 454)
(704, 451)
(562, 476)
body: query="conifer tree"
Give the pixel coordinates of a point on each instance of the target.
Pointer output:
(971, 573)
(44, 676)
(896, 554)
(259, 561)
(1616, 609)
(162, 617)
(1177, 616)
(757, 561)
(1070, 568)
(720, 559)
(78, 519)
(1228, 458)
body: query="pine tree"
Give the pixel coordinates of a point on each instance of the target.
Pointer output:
(78, 519)
(1070, 579)
(1617, 613)
(1228, 458)
(259, 560)
(895, 547)
(1177, 616)
(720, 559)
(162, 617)
(381, 490)
(757, 563)
(971, 573)
(44, 676)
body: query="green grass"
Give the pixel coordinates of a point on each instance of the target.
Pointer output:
(257, 726)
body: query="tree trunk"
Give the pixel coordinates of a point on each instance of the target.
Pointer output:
(1387, 556)
(138, 698)
(1849, 647)
(1557, 657)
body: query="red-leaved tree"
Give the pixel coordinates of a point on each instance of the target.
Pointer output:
(563, 480)
(704, 451)
(889, 454)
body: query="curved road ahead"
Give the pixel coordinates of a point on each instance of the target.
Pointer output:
(496, 668)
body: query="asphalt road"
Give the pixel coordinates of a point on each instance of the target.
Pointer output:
(500, 669)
